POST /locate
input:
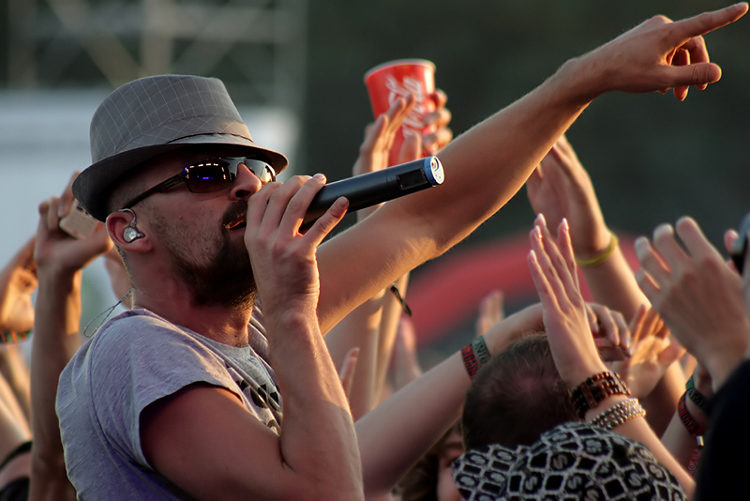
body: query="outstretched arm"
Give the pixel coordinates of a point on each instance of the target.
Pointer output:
(487, 165)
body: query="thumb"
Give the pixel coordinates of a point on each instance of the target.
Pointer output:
(694, 74)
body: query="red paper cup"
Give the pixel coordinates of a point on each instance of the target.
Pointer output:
(392, 80)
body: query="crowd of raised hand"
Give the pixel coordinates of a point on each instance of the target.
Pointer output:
(636, 393)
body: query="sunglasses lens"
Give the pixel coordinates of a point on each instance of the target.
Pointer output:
(214, 175)
(262, 170)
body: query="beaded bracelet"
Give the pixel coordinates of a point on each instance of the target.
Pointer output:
(697, 397)
(10, 337)
(475, 354)
(619, 414)
(596, 388)
(606, 253)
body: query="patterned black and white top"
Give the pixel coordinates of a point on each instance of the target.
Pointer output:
(573, 461)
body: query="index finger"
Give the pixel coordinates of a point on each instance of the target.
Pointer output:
(66, 197)
(695, 241)
(707, 22)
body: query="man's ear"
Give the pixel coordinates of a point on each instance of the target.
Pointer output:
(122, 227)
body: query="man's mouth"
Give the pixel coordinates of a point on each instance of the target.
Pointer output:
(236, 224)
(235, 217)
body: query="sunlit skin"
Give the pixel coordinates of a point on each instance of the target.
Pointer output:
(187, 244)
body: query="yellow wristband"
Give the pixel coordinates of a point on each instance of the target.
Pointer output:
(604, 255)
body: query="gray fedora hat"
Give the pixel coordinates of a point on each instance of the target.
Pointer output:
(155, 115)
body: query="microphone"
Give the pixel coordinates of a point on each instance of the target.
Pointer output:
(366, 190)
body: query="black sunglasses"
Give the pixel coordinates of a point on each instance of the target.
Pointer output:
(210, 176)
(739, 248)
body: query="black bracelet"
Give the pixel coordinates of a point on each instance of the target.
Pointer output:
(397, 294)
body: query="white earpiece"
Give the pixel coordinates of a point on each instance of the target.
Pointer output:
(131, 233)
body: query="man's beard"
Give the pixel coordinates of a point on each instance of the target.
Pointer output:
(227, 279)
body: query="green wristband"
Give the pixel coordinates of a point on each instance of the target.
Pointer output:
(481, 351)
(697, 397)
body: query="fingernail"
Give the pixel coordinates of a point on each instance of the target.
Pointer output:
(540, 219)
(565, 223)
(537, 233)
(663, 229)
(319, 176)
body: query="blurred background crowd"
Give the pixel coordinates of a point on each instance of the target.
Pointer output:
(297, 67)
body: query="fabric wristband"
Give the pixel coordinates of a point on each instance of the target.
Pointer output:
(696, 430)
(693, 427)
(475, 354)
(470, 360)
(606, 253)
(481, 351)
(697, 397)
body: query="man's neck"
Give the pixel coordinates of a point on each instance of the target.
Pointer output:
(224, 324)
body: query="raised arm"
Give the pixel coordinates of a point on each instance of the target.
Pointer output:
(553, 270)
(60, 259)
(561, 188)
(364, 327)
(698, 294)
(488, 164)
(402, 428)
(18, 281)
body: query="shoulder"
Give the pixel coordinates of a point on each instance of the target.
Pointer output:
(141, 333)
(138, 347)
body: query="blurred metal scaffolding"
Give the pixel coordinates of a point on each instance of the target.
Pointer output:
(257, 47)
(60, 58)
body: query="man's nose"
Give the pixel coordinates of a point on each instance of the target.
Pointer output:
(245, 184)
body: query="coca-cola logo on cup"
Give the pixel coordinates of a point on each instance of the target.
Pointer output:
(415, 120)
